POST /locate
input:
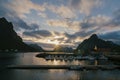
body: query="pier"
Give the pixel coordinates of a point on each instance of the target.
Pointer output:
(69, 67)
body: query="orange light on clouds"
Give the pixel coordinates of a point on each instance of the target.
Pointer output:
(56, 42)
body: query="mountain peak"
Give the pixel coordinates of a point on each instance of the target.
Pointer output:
(94, 41)
(3, 19)
(94, 36)
(9, 40)
(63, 49)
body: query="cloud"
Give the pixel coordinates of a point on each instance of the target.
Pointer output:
(46, 37)
(66, 24)
(74, 7)
(112, 36)
(45, 46)
(57, 23)
(89, 24)
(84, 28)
(22, 7)
(62, 11)
(3, 9)
(99, 20)
(14, 18)
(77, 36)
(37, 33)
(66, 18)
(116, 18)
(42, 14)
(19, 23)
(67, 39)
(85, 6)
(96, 24)
(70, 36)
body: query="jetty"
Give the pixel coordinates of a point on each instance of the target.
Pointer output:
(69, 67)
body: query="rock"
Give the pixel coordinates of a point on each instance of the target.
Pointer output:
(94, 43)
(9, 40)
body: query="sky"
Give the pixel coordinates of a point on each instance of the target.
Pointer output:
(63, 22)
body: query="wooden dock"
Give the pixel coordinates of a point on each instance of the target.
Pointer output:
(69, 67)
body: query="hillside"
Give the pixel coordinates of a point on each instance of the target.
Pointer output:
(95, 43)
(9, 40)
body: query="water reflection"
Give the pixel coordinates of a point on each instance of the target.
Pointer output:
(30, 59)
(54, 74)
(59, 75)
(96, 62)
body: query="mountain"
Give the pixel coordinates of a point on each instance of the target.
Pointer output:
(63, 49)
(9, 40)
(93, 43)
(37, 47)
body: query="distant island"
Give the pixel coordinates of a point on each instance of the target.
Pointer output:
(59, 48)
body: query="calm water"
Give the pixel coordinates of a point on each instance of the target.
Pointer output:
(53, 74)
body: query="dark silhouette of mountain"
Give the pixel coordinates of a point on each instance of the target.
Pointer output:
(37, 47)
(9, 40)
(94, 43)
(63, 49)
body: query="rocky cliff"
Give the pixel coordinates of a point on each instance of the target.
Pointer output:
(9, 40)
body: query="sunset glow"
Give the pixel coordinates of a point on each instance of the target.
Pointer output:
(64, 22)
(59, 39)
(53, 42)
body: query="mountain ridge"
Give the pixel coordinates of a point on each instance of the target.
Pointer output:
(60, 48)
(9, 40)
(89, 44)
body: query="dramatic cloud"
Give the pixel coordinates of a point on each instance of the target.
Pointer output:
(62, 23)
(66, 38)
(98, 20)
(37, 33)
(65, 22)
(85, 6)
(14, 18)
(62, 11)
(19, 23)
(116, 18)
(22, 7)
(74, 7)
(112, 36)
(87, 25)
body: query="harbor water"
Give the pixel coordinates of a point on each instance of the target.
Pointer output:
(53, 74)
